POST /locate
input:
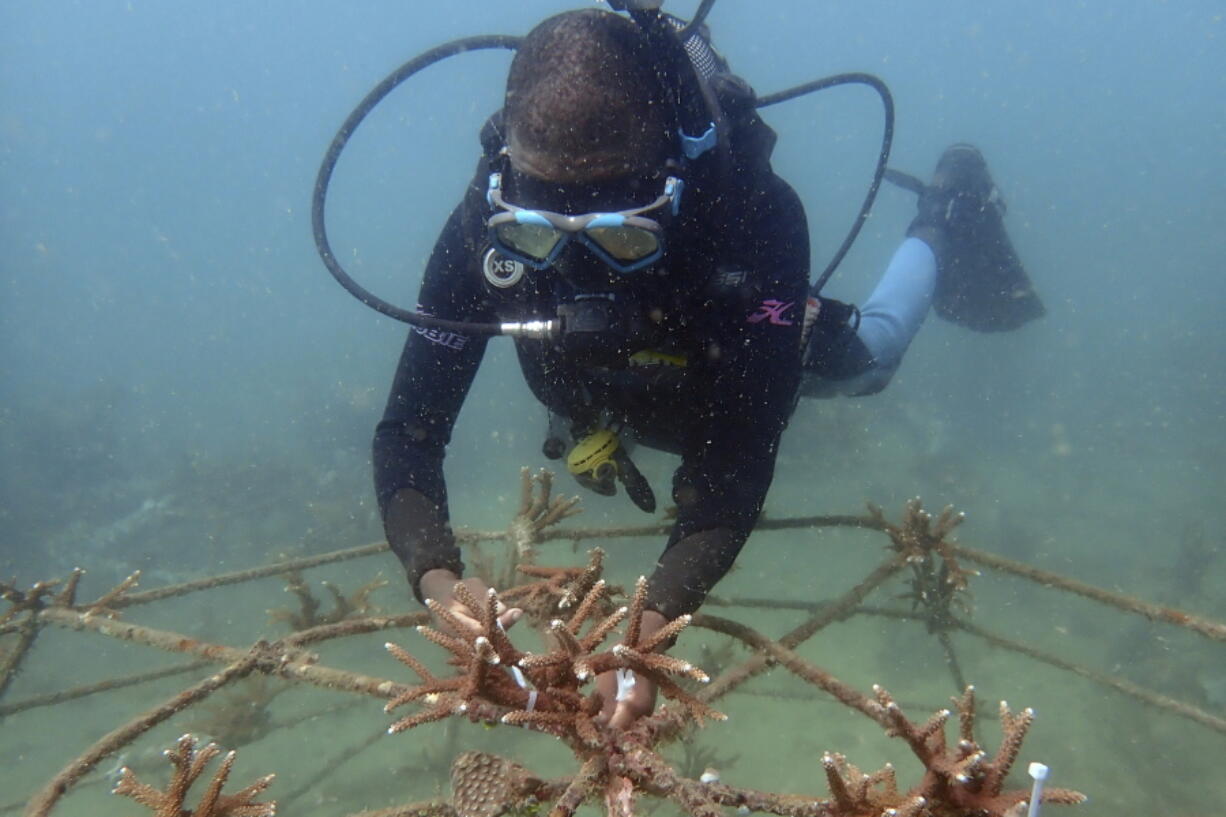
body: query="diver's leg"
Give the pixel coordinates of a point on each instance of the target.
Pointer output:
(893, 314)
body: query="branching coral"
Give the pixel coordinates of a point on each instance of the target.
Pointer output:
(542, 691)
(938, 582)
(558, 589)
(498, 682)
(40, 596)
(961, 779)
(538, 510)
(344, 606)
(188, 764)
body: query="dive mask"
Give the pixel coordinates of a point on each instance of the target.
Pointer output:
(625, 240)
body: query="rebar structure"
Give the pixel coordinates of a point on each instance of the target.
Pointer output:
(591, 627)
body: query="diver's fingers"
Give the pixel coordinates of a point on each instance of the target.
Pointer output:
(508, 616)
(623, 715)
(461, 617)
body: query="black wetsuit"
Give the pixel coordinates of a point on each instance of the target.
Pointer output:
(728, 299)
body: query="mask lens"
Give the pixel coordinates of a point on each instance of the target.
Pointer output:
(532, 240)
(625, 243)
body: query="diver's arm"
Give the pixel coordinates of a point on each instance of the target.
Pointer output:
(435, 372)
(728, 462)
(725, 472)
(857, 353)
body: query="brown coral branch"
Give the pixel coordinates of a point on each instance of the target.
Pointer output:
(587, 607)
(961, 777)
(1014, 729)
(67, 597)
(106, 604)
(10, 661)
(581, 787)
(21, 601)
(601, 629)
(404, 657)
(586, 580)
(42, 802)
(308, 605)
(666, 634)
(526, 500)
(634, 621)
(189, 763)
(538, 510)
(343, 606)
(355, 626)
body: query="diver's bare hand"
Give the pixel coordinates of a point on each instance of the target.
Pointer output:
(639, 698)
(439, 584)
(638, 701)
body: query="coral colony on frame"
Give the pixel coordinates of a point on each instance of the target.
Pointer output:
(592, 628)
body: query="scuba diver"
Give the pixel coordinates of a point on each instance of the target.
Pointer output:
(625, 193)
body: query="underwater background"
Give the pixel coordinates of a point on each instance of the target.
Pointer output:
(185, 391)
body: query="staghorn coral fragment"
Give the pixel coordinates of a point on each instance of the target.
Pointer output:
(961, 779)
(344, 606)
(601, 629)
(587, 607)
(558, 589)
(188, 764)
(854, 793)
(538, 510)
(102, 605)
(496, 683)
(634, 621)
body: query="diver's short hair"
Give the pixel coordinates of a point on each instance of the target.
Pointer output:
(584, 97)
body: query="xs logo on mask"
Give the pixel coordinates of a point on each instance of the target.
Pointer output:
(772, 311)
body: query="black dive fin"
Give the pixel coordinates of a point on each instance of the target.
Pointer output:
(981, 283)
(905, 180)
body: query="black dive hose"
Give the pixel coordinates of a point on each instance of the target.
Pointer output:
(322, 179)
(544, 328)
(700, 16)
(887, 140)
(682, 71)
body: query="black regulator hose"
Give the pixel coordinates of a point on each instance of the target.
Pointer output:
(320, 196)
(883, 157)
(700, 16)
(700, 107)
(545, 328)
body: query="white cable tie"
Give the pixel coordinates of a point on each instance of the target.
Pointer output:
(1039, 772)
(531, 700)
(519, 676)
(625, 684)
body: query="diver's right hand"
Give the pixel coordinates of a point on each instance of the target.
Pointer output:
(439, 584)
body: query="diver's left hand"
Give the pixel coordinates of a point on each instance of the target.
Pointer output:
(640, 700)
